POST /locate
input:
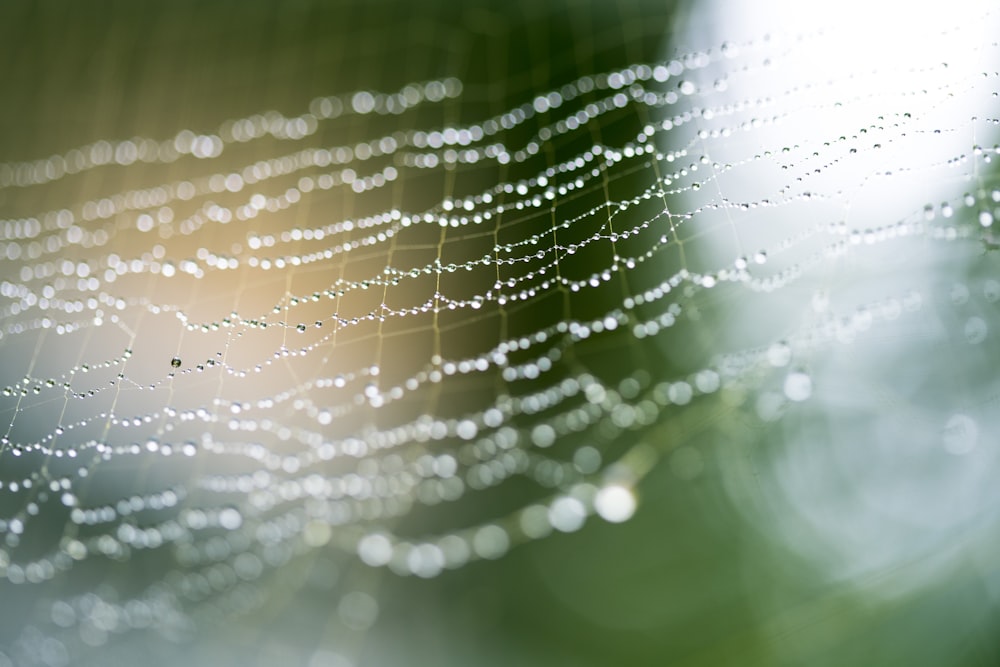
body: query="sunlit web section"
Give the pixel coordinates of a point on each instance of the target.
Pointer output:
(409, 343)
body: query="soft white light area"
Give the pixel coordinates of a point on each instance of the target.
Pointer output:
(847, 132)
(862, 34)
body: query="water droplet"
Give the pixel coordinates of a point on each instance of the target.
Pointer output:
(567, 514)
(230, 518)
(175, 362)
(798, 386)
(375, 549)
(358, 610)
(615, 503)
(991, 290)
(779, 354)
(975, 330)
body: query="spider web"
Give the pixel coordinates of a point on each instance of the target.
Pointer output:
(441, 309)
